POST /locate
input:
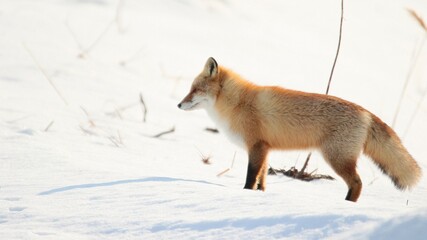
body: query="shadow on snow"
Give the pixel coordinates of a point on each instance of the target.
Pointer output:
(120, 182)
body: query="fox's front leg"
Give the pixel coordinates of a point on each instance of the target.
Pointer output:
(257, 166)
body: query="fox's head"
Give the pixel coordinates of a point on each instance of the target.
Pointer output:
(204, 89)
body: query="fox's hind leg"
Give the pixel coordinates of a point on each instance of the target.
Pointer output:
(355, 187)
(262, 176)
(344, 164)
(351, 177)
(257, 166)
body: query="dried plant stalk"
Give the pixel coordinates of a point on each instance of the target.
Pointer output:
(333, 66)
(165, 132)
(417, 54)
(36, 62)
(144, 107)
(418, 18)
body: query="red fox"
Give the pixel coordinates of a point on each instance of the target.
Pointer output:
(263, 118)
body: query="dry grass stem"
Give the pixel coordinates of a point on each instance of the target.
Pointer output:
(338, 48)
(294, 173)
(306, 163)
(114, 141)
(85, 51)
(232, 162)
(164, 133)
(74, 36)
(118, 114)
(91, 122)
(44, 73)
(227, 169)
(223, 172)
(372, 181)
(417, 53)
(212, 130)
(206, 160)
(99, 38)
(335, 62)
(118, 111)
(134, 56)
(48, 126)
(418, 18)
(87, 131)
(144, 107)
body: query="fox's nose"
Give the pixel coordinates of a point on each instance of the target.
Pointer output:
(179, 105)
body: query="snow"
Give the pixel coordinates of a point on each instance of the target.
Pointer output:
(97, 173)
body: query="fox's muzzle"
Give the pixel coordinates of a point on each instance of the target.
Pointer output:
(187, 103)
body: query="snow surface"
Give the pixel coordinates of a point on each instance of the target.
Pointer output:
(97, 173)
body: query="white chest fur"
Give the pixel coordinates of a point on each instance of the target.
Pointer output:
(223, 125)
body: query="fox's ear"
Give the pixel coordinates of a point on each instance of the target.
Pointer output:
(211, 68)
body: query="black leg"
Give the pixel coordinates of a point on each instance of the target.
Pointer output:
(348, 195)
(251, 177)
(257, 161)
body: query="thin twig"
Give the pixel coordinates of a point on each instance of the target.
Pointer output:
(144, 107)
(91, 122)
(227, 169)
(271, 170)
(118, 114)
(338, 48)
(295, 174)
(121, 109)
(306, 163)
(73, 34)
(372, 181)
(311, 173)
(84, 111)
(418, 18)
(206, 160)
(333, 65)
(88, 131)
(118, 111)
(85, 51)
(44, 73)
(212, 130)
(418, 51)
(98, 39)
(48, 126)
(408, 77)
(234, 157)
(134, 56)
(114, 141)
(223, 172)
(165, 132)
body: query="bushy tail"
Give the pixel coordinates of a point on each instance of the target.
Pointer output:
(387, 151)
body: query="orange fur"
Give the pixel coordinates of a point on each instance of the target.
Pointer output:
(262, 118)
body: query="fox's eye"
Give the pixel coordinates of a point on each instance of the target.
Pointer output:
(197, 90)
